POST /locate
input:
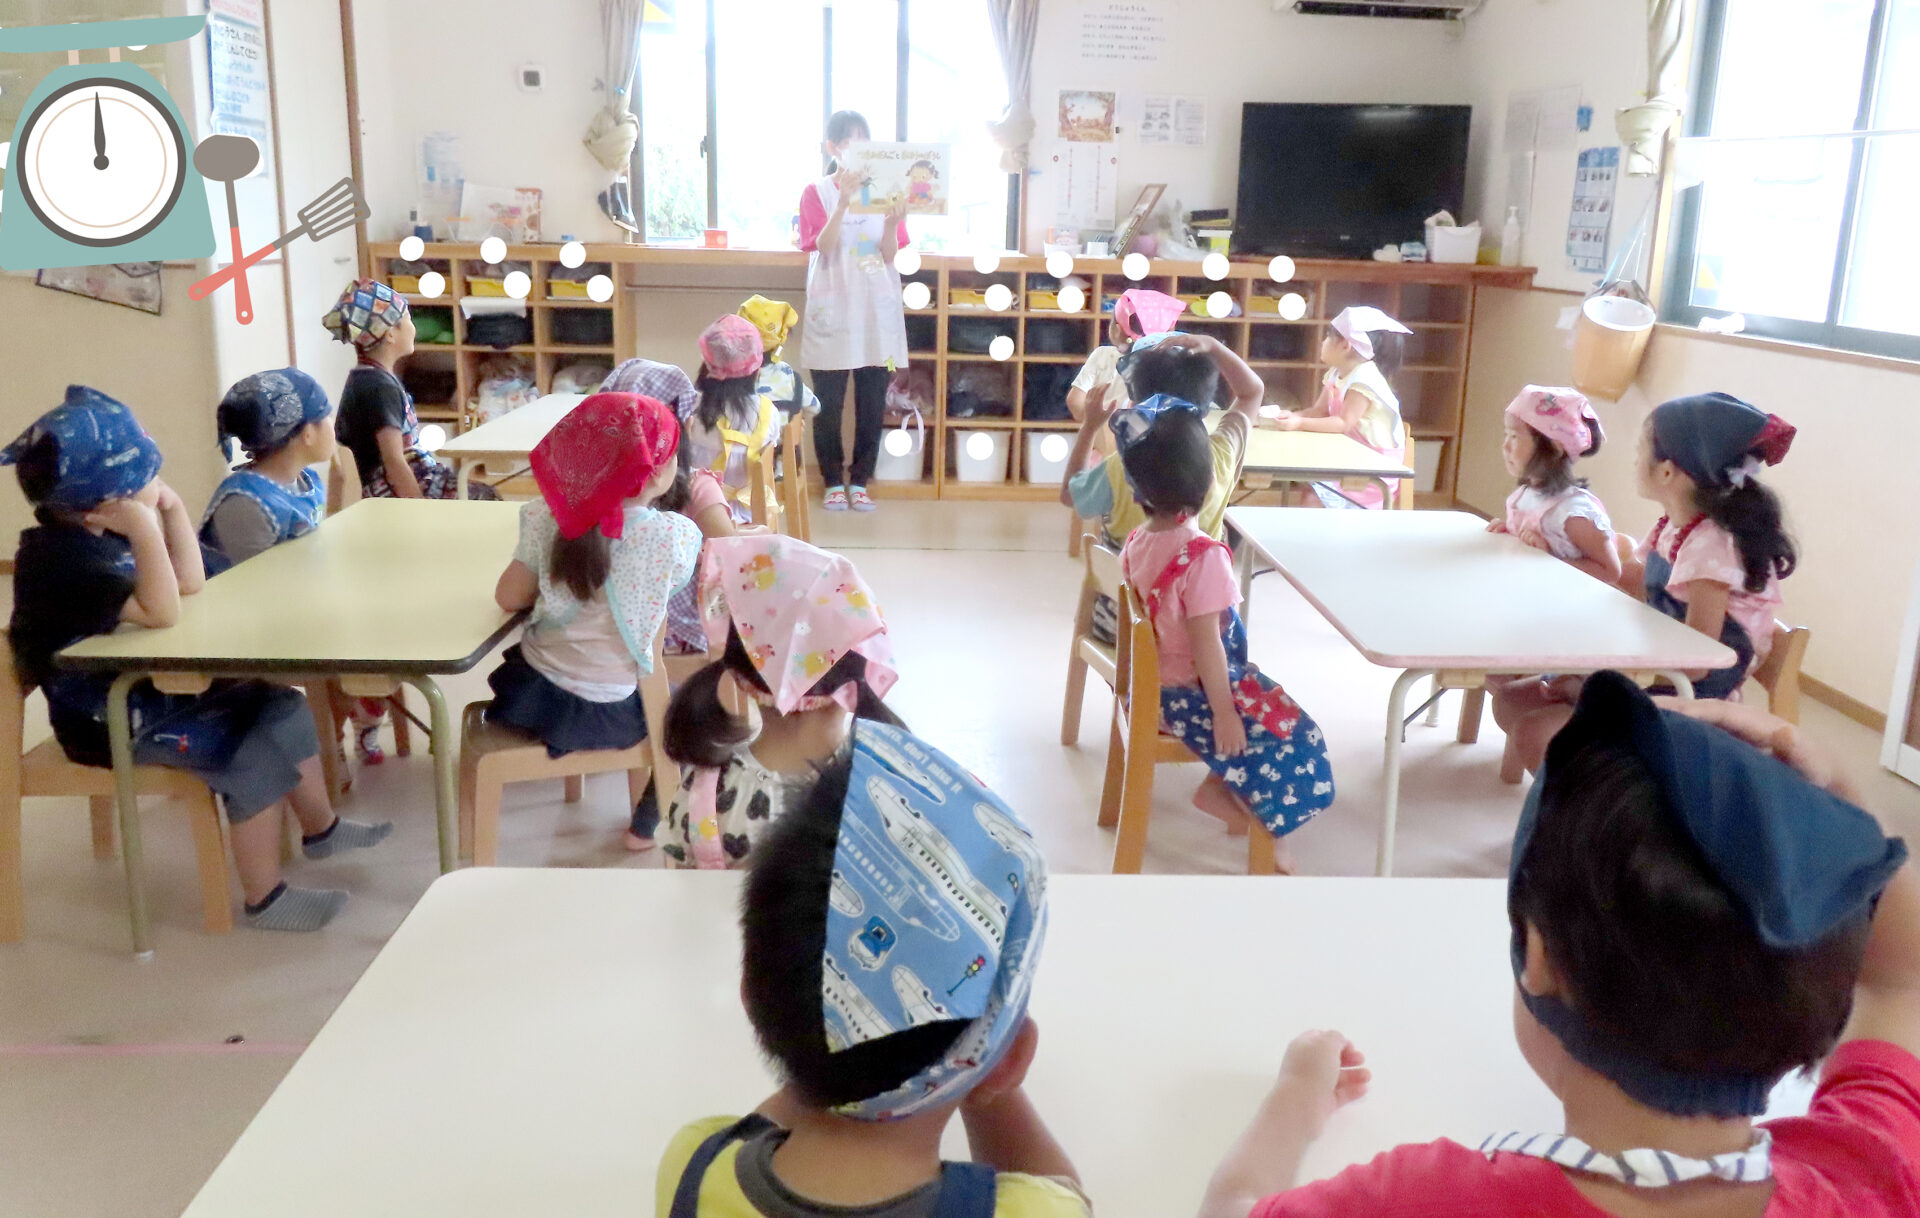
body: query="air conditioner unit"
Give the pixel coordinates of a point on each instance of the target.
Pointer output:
(1414, 10)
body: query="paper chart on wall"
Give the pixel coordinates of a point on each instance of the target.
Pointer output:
(1086, 178)
(1122, 31)
(1591, 219)
(1169, 119)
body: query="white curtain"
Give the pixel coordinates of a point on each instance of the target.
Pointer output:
(1644, 126)
(614, 130)
(1015, 25)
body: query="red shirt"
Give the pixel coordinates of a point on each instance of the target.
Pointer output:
(1856, 1154)
(813, 218)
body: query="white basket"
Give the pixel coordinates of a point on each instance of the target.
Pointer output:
(1040, 470)
(908, 467)
(990, 468)
(1426, 464)
(1446, 243)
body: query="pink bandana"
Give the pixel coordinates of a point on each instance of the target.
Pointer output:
(731, 347)
(1564, 416)
(599, 455)
(1143, 311)
(798, 609)
(1357, 323)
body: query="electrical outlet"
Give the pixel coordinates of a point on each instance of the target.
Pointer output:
(532, 78)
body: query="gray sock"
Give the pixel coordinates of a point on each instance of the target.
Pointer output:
(298, 909)
(345, 834)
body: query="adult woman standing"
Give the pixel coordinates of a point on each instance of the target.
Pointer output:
(856, 326)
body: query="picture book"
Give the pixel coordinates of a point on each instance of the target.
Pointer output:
(918, 173)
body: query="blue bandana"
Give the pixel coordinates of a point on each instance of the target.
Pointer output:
(1146, 342)
(938, 909)
(264, 411)
(104, 452)
(1800, 862)
(1131, 425)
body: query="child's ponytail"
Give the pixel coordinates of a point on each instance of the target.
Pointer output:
(1752, 514)
(581, 563)
(1389, 351)
(725, 398)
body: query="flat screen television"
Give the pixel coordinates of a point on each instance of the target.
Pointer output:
(1340, 181)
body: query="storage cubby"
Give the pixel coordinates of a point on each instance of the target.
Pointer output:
(1020, 399)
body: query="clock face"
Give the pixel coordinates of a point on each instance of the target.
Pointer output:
(101, 162)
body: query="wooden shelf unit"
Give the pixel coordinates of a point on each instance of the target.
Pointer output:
(548, 354)
(1436, 301)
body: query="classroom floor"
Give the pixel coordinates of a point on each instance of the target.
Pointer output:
(120, 1091)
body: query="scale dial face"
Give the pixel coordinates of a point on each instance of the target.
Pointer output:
(101, 162)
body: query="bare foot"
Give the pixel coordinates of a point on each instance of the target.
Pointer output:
(1217, 800)
(637, 844)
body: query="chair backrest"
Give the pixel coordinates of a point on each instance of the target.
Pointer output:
(343, 481)
(763, 499)
(793, 476)
(1779, 675)
(1103, 566)
(1136, 669)
(13, 713)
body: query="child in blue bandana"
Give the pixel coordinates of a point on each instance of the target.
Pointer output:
(1692, 920)
(284, 423)
(115, 544)
(892, 922)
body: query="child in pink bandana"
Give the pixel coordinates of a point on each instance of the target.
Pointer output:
(1138, 313)
(803, 652)
(732, 420)
(1547, 430)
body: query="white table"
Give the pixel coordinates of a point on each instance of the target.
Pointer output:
(1435, 594)
(384, 591)
(529, 1040)
(1314, 456)
(511, 438)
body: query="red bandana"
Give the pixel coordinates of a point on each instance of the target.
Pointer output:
(599, 455)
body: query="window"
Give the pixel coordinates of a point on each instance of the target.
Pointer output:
(734, 95)
(1792, 220)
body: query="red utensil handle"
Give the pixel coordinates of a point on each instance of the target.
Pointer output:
(242, 290)
(212, 283)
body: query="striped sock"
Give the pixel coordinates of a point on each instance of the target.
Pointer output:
(344, 834)
(296, 909)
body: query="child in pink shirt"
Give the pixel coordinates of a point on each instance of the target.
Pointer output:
(1268, 759)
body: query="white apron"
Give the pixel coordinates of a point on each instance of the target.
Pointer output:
(855, 318)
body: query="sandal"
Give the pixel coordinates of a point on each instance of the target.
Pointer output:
(836, 500)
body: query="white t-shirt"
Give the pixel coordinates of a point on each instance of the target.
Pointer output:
(586, 657)
(1549, 514)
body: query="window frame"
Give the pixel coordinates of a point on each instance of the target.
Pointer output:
(1681, 264)
(710, 142)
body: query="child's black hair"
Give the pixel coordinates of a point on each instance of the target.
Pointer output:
(39, 469)
(1171, 467)
(1389, 351)
(1752, 513)
(1550, 470)
(674, 498)
(841, 125)
(581, 563)
(1179, 372)
(783, 924)
(729, 397)
(701, 731)
(1651, 949)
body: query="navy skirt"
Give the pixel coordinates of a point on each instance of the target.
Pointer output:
(564, 722)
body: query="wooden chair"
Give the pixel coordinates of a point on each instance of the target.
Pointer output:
(1088, 652)
(1136, 744)
(45, 771)
(1780, 674)
(491, 756)
(796, 496)
(763, 491)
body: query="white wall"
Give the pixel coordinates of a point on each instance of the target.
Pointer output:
(449, 65)
(1232, 52)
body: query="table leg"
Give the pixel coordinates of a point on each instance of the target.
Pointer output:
(1433, 704)
(120, 744)
(1243, 566)
(445, 746)
(463, 474)
(1682, 683)
(1396, 731)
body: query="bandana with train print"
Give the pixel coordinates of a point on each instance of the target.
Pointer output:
(937, 912)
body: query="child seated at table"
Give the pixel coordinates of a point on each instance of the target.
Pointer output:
(1546, 431)
(778, 379)
(283, 422)
(115, 544)
(1362, 350)
(1692, 921)
(377, 422)
(1138, 313)
(733, 419)
(803, 652)
(1267, 758)
(870, 1076)
(1718, 570)
(596, 563)
(1190, 367)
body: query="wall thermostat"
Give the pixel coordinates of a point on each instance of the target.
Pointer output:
(532, 78)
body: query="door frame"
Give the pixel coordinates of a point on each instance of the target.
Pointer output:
(1895, 753)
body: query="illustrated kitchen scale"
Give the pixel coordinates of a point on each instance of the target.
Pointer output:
(100, 169)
